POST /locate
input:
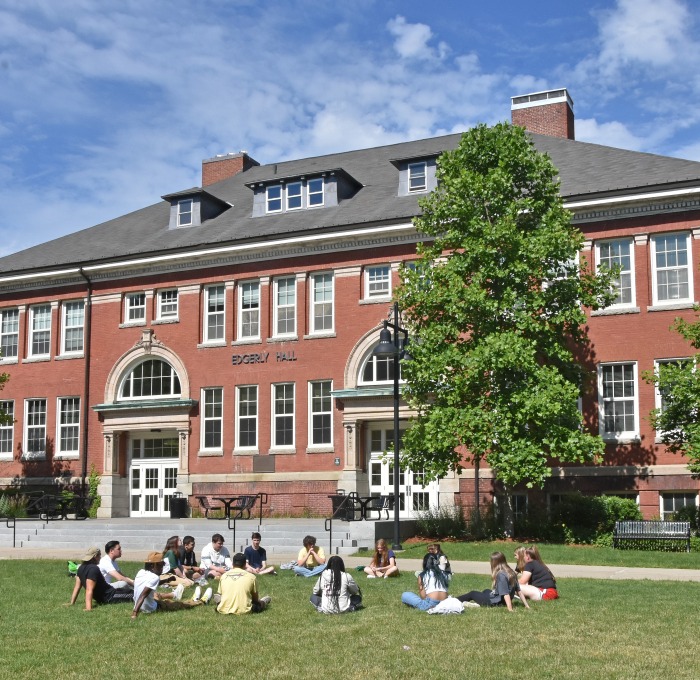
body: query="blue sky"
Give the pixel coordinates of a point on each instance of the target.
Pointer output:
(107, 105)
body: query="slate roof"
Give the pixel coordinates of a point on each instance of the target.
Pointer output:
(586, 171)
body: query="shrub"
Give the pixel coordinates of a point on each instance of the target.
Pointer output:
(617, 510)
(577, 517)
(486, 524)
(444, 522)
(93, 482)
(688, 514)
(13, 505)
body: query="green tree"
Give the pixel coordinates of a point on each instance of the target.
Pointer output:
(495, 301)
(678, 421)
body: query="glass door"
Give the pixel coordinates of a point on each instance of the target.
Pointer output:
(153, 475)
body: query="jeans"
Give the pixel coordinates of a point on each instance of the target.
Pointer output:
(303, 571)
(413, 600)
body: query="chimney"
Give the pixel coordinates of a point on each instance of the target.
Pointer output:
(546, 113)
(225, 166)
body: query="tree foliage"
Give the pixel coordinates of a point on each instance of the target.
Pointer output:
(678, 382)
(495, 301)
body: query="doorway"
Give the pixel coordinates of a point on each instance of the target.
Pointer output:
(152, 474)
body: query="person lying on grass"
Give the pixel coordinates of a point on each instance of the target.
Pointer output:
(504, 586)
(536, 580)
(432, 585)
(90, 577)
(383, 563)
(335, 591)
(147, 600)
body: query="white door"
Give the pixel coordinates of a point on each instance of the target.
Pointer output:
(153, 475)
(414, 494)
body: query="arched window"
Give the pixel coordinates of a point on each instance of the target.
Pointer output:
(377, 370)
(150, 378)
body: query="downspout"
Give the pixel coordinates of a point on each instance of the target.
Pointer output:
(86, 387)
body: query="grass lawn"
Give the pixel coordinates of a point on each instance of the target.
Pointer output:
(556, 553)
(598, 629)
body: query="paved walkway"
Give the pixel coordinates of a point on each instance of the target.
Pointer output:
(410, 565)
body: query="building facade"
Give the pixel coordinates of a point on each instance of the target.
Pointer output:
(219, 342)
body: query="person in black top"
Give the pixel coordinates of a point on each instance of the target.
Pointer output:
(536, 580)
(188, 559)
(90, 577)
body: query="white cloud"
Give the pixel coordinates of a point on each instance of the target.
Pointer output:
(412, 39)
(609, 134)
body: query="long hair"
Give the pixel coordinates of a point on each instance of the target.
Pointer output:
(431, 567)
(171, 544)
(381, 554)
(336, 568)
(520, 557)
(500, 565)
(534, 554)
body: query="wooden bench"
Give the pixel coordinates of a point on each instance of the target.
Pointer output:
(654, 534)
(207, 505)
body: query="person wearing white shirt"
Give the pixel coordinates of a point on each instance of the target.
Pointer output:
(110, 568)
(215, 559)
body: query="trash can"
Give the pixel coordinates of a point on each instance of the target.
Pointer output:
(178, 506)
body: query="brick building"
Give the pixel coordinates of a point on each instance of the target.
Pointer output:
(220, 341)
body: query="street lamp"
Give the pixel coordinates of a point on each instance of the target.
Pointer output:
(389, 347)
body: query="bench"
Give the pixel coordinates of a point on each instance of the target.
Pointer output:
(207, 505)
(377, 504)
(653, 534)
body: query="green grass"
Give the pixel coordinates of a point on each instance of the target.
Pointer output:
(598, 629)
(563, 554)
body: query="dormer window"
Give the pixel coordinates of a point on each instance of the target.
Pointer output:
(294, 196)
(315, 188)
(274, 198)
(184, 213)
(417, 176)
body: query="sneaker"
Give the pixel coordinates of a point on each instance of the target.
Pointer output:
(207, 595)
(470, 603)
(371, 576)
(197, 594)
(266, 600)
(177, 593)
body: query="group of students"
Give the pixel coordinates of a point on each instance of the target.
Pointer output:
(531, 580)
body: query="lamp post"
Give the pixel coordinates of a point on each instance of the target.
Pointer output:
(389, 347)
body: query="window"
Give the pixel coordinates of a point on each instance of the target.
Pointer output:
(321, 413)
(167, 304)
(283, 415)
(378, 282)
(621, 252)
(294, 196)
(9, 333)
(212, 425)
(184, 212)
(150, 378)
(249, 310)
(274, 198)
(73, 322)
(322, 303)
(35, 427)
(660, 401)
(416, 177)
(247, 417)
(672, 502)
(40, 330)
(214, 313)
(618, 400)
(315, 191)
(671, 273)
(7, 430)
(285, 306)
(135, 308)
(68, 426)
(378, 370)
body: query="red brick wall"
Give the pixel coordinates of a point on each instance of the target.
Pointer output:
(555, 120)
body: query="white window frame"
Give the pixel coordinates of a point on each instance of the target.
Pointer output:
(312, 192)
(283, 400)
(65, 327)
(210, 313)
(372, 280)
(602, 401)
(9, 317)
(377, 362)
(327, 292)
(168, 309)
(615, 259)
(246, 314)
(38, 423)
(212, 412)
(688, 267)
(129, 378)
(185, 217)
(674, 494)
(279, 308)
(294, 191)
(133, 306)
(320, 413)
(248, 416)
(63, 425)
(658, 400)
(7, 432)
(423, 166)
(274, 200)
(35, 329)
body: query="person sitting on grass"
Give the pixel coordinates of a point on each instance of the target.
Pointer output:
(256, 557)
(90, 577)
(504, 586)
(172, 562)
(238, 590)
(148, 600)
(216, 559)
(188, 560)
(432, 585)
(383, 564)
(110, 568)
(311, 559)
(536, 580)
(335, 591)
